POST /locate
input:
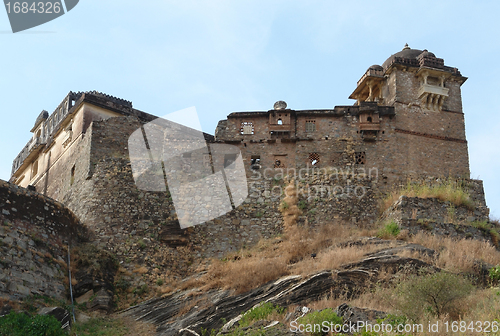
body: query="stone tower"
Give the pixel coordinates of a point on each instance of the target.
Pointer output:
(429, 120)
(407, 121)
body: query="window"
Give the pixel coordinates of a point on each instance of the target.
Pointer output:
(314, 159)
(34, 169)
(19, 180)
(280, 122)
(359, 158)
(369, 119)
(310, 126)
(247, 127)
(255, 162)
(278, 163)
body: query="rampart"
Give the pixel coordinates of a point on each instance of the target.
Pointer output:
(35, 232)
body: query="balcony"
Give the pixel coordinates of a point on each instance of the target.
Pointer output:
(432, 96)
(280, 128)
(368, 126)
(31, 149)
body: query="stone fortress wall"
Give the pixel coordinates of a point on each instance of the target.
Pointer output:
(35, 232)
(407, 122)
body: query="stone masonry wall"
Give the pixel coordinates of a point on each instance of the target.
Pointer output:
(34, 235)
(413, 143)
(445, 218)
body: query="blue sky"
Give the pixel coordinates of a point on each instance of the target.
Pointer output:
(225, 56)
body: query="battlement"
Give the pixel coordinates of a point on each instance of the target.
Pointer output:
(106, 97)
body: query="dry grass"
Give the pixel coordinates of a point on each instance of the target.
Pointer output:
(291, 255)
(135, 327)
(449, 190)
(243, 276)
(271, 259)
(141, 270)
(333, 258)
(457, 255)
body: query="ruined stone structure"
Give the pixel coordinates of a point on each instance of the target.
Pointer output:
(407, 121)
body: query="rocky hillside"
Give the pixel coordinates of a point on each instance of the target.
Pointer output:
(428, 241)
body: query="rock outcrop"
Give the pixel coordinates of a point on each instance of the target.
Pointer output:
(189, 312)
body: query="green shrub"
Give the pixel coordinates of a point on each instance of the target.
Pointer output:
(122, 284)
(21, 324)
(481, 225)
(486, 227)
(141, 244)
(141, 290)
(495, 273)
(437, 294)
(389, 230)
(260, 312)
(317, 318)
(302, 205)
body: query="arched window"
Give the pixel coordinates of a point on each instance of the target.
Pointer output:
(280, 122)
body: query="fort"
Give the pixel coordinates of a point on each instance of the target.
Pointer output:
(406, 122)
(76, 186)
(348, 208)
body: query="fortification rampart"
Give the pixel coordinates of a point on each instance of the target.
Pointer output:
(35, 232)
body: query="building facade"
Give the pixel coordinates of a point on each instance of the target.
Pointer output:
(407, 121)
